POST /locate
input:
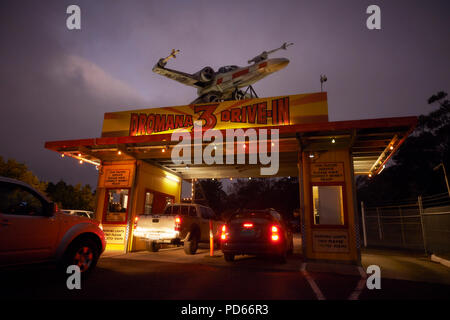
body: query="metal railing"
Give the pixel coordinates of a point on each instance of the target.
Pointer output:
(416, 224)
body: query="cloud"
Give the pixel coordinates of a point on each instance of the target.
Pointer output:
(74, 70)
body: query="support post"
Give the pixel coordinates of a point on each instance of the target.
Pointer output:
(419, 200)
(363, 220)
(211, 239)
(402, 227)
(380, 231)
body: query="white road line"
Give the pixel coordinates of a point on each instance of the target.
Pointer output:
(360, 287)
(312, 283)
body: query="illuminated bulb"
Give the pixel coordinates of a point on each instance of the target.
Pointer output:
(311, 155)
(79, 154)
(215, 147)
(249, 178)
(244, 146)
(119, 152)
(333, 140)
(163, 150)
(231, 179)
(273, 144)
(81, 161)
(391, 147)
(370, 175)
(62, 156)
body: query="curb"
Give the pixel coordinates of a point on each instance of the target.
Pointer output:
(440, 260)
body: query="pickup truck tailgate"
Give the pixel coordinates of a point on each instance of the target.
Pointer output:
(156, 227)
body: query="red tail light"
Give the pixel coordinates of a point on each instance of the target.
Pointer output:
(135, 222)
(177, 223)
(275, 236)
(224, 234)
(248, 225)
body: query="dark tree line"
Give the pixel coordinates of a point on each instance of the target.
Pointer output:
(281, 194)
(66, 196)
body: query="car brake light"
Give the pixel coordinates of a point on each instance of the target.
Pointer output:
(275, 236)
(224, 234)
(248, 225)
(135, 222)
(177, 223)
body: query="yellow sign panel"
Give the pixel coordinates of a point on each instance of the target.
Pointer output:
(117, 178)
(330, 241)
(327, 172)
(261, 112)
(114, 235)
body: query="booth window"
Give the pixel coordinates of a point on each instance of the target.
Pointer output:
(328, 205)
(117, 206)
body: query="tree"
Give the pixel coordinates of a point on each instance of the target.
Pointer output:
(282, 194)
(70, 197)
(213, 192)
(19, 171)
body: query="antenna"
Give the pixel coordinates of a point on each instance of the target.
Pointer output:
(323, 78)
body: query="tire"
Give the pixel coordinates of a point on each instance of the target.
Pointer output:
(152, 246)
(84, 253)
(229, 257)
(191, 246)
(291, 248)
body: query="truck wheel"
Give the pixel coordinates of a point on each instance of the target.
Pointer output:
(191, 246)
(152, 246)
(229, 257)
(83, 253)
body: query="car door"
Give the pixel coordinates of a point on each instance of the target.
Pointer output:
(27, 233)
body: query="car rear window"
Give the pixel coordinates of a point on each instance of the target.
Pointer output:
(254, 214)
(177, 210)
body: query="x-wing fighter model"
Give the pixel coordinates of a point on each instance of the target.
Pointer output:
(225, 84)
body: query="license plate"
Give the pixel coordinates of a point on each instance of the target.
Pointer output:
(248, 232)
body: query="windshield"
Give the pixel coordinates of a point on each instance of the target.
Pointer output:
(226, 69)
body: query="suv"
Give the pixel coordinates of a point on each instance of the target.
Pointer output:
(185, 223)
(32, 230)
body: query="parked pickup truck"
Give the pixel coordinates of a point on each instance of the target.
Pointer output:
(181, 223)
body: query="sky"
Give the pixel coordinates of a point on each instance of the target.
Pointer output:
(56, 84)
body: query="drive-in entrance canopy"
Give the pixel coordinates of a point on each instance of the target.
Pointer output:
(302, 121)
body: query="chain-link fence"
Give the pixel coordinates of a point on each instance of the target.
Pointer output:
(417, 224)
